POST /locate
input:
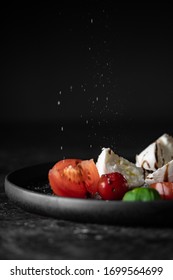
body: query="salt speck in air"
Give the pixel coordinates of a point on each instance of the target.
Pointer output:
(91, 145)
(59, 102)
(71, 88)
(89, 48)
(61, 148)
(97, 99)
(62, 128)
(92, 20)
(60, 92)
(86, 121)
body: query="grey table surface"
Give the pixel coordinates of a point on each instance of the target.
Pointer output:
(25, 235)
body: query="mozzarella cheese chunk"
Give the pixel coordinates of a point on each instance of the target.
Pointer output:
(109, 162)
(156, 154)
(163, 174)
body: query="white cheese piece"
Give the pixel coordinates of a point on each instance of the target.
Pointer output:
(156, 154)
(108, 162)
(163, 174)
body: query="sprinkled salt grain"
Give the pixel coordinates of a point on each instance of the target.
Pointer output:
(92, 20)
(87, 121)
(59, 102)
(97, 99)
(71, 88)
(61, 148)
(62, 128)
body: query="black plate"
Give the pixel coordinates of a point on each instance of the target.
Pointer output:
(29, 188)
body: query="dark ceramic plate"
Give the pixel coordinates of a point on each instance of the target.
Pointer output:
(29, 188)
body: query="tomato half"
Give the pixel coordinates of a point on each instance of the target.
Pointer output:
(165, 189)
(74, 178)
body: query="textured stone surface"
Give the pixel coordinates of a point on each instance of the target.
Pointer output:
(25, 235)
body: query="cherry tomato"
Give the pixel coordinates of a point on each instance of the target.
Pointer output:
(74, 178)
(112, 186)
(165, 189)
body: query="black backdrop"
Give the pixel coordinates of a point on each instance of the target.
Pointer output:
(93, 73)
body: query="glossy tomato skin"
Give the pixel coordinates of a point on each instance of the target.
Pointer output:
(165, 189)
(112, 186)
(73, 178)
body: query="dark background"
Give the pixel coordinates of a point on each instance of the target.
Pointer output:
(86, 75)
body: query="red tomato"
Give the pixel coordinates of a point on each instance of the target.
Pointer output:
(74, 178)
(112, 186)
(165, 189)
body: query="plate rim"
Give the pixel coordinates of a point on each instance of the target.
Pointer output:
(28, 200)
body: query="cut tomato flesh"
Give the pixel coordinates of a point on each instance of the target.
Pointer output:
(74, 178)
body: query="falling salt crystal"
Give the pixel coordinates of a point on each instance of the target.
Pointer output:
(86, 121)
(107, 98)
(97, 99)
(59, 102)
(98, 237)
(60, 92)
(84, 89)
(89, 48)
(62, 128)
(85, 230)
(61, 148)
(71, 88)
(91, 145)
(92, 20)
(103, 85)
